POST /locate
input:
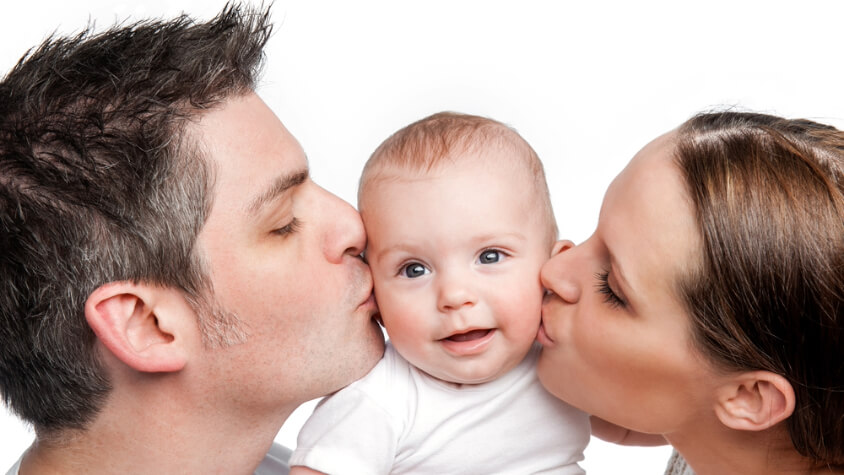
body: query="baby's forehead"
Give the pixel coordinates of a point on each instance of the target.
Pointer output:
(503, 180)
(487, 159)
(453, 192)
(500, 157)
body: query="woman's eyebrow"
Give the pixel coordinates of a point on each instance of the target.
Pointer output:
(620, 277)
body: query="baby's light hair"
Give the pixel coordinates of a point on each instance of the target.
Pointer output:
(442, 138)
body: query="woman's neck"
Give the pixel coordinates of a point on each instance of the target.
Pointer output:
(718, 450)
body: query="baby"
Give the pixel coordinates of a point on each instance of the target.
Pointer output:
(459, 221)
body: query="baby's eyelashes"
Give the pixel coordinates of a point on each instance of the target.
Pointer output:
(413, 270)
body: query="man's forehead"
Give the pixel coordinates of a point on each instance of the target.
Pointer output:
(251, 155)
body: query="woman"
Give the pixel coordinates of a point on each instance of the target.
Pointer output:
(707, 305)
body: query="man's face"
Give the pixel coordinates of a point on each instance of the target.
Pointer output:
(283, 257)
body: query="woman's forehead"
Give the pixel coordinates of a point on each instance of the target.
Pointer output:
(647, 221)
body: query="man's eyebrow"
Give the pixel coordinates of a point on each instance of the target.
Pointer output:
(278, 186)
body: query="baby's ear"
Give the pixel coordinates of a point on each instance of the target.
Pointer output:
(755, 400)
(142, 325)
(560, 246)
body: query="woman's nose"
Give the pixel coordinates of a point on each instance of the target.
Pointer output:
(557, 274)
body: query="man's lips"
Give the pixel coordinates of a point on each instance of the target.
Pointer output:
(371, 305)
(369, 302)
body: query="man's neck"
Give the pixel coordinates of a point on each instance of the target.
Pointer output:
(147, 439)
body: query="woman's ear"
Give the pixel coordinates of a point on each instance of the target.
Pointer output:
(561, 246)
(140, 324)
(754, 401)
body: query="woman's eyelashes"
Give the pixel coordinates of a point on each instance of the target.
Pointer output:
(603, 287)
(288, 228)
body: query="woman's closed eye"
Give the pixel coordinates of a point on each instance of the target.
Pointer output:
(603, 287)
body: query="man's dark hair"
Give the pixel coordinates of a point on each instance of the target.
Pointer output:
(99, 182)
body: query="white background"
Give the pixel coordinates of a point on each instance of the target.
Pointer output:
(586, 83)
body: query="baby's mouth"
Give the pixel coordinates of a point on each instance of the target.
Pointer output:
(470, 335)
(469, 343)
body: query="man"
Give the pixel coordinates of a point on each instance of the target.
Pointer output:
(174, 284)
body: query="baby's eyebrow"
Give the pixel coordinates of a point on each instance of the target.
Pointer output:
(385, 251)
(494, 236)
(278, 186)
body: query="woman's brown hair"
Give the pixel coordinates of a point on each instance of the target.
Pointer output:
(769, 198)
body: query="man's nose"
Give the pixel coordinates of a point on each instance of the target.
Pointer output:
(344, 234)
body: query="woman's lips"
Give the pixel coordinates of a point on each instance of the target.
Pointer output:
(468, 343)
(543, 337)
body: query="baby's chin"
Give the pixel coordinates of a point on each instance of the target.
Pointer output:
(468, 376)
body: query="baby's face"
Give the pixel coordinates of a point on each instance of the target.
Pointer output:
(455, 255)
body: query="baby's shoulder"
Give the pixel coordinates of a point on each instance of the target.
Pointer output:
(388, 381)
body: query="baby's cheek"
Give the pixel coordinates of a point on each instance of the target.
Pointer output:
(524, 314)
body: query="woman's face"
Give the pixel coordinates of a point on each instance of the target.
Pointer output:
(616, 337)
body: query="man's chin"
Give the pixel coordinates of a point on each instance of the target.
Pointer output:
(378, 337)
(370, 354)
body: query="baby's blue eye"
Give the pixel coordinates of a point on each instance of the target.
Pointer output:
(489, 257)
(414, 270)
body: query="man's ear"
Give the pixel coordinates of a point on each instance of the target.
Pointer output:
(560, 246)
(139, 324)
(754, 401)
